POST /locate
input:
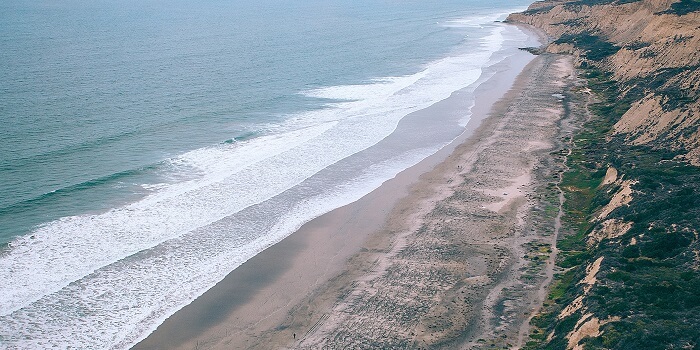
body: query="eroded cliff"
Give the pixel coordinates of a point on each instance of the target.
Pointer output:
(651, 48)
(628, 264)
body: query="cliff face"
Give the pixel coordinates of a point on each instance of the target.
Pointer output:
(629, 248)
(651, 48)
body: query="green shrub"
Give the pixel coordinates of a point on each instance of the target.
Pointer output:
(684, 7)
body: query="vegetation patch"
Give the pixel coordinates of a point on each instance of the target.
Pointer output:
(576, 5)
(637, 45)
(649, 282)
(537, 10)
(595, 47)
(661, 82)
(684, 7)
(573, 22)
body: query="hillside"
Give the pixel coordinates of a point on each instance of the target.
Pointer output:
(628, 265)
(651, 47)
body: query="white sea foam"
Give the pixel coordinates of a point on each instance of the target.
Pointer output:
(68, 249)
(480, 21)
(177, 269)
(104, 281)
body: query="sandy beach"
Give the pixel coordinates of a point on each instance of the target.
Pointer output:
(451, 253)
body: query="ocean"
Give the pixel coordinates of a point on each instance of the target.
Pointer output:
(151, 147)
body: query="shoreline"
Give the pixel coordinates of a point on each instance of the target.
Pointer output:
(292, 287)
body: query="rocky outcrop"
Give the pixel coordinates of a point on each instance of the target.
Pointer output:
(652, 50)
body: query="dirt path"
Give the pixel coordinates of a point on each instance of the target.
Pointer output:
(566, 130)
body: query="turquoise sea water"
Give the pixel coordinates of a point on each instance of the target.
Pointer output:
(162, 143)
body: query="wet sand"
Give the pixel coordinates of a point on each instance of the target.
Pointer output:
(435, 257)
